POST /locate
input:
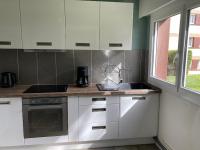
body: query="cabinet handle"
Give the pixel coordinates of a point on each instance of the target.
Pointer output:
(5, 43)
(83, 44)
(44, 43)
(138, 98)
(5, 103)
(98, 127)
(98, 109)
(98, 99)
(115, 44)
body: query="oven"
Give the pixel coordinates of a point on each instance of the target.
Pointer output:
(45, 117)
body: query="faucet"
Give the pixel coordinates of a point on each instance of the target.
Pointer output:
(117, 70)
(120, 75)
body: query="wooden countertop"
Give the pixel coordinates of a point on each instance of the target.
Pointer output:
(72, 90)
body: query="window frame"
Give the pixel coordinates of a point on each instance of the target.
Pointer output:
(177, 89)
(159, 16)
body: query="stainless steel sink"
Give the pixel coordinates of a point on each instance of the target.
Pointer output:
(122, 86)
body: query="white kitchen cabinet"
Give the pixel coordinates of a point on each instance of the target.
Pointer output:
(10, 29)
(98, 118)
(116, 23)
(43, 24)
(82, 25)
(138, 116)
(11, 122)
(73, 118)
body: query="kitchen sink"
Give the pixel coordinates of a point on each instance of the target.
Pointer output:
(123, 86)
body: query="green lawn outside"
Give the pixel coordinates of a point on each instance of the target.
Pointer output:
(192, 81)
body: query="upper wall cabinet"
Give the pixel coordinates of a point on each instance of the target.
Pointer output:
(116, 23)
(43, 24)
(82, 25)
(10, 30)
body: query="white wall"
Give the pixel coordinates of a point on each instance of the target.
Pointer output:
(179, 124)
(149, 6)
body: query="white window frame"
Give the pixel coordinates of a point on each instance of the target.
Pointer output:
(159, 16)
(177, 89)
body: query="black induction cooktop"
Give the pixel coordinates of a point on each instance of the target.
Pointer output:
(46, 88)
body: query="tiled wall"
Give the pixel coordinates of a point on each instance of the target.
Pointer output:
(60, 67)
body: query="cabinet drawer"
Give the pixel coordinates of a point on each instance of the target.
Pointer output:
(98, 131)
(99, 100)
(99, 113)
(92, 100)
(91, 114)
(133, 98)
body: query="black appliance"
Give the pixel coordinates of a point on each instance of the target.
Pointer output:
(46, 88)
(44, 117)
(8, 79)
(82, 76)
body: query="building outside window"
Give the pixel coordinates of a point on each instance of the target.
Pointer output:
(192, 19)
(190, 42)
(166, 48)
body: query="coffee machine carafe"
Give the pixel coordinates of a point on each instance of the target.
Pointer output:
(82, 76)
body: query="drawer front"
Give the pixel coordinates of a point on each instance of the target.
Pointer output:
(130, 99)
(92, 114)
(99, 113)
(92, 100)
(98, 131)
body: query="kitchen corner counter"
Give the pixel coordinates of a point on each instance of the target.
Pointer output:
(72, 90)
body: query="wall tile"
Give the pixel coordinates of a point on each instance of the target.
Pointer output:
(133, 64)
(117, 58)
(83, 58)
(99, 62)
(27, 68)
(65, 67)
(46, 68)
(8, 61)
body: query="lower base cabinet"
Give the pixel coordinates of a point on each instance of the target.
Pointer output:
(138, 116)
(117, 117)
(11, 122)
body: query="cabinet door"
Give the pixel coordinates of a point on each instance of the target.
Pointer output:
(11, 126)
(10, 30)
(73, 118)
(138, 116)
(43, 24)
(82, 26)
(116, 23)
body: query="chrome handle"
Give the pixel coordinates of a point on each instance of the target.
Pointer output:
(115, 44)
(83, 44)
(5, 43)
(98, 127)
(98, 99)
(44, 43)
(138, 98)
(5, 103)
(98, 109)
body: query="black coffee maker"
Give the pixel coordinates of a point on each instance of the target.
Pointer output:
(8, 79)
(82, 76)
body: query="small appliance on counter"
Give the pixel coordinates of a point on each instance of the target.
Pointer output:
(82, 76)
(8, 79)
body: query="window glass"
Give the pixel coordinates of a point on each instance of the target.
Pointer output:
(166, 48)
(192, 67)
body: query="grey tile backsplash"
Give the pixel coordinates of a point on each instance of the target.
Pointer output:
(60, 67)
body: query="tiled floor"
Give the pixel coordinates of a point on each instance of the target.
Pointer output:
(139, 147)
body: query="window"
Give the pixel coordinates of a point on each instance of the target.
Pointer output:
(192, 72)
(192, 18)
(166, 48)
(190, 42)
